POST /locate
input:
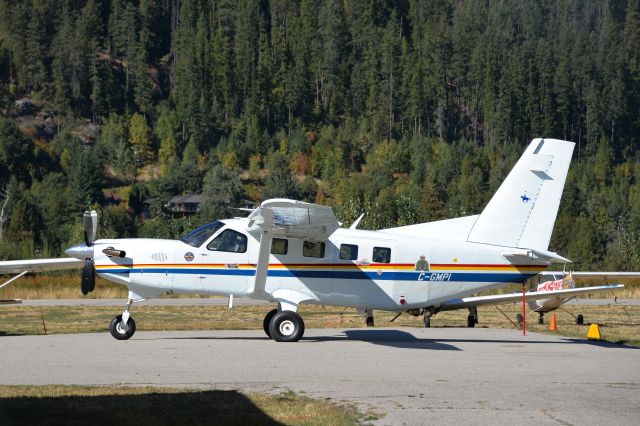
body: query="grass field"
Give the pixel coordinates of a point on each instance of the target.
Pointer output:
(66, 285)
(619, 324)
(109, 405)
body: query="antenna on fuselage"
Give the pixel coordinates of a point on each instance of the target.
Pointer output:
(355, 224)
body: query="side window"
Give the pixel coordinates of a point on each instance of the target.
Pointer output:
(229, 241)
(381, 255)
(348, 252)
(279, 246)
(310, 249)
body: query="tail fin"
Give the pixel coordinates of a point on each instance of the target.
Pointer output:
(523, 210)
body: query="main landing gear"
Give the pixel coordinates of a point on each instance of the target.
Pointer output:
(283, 326)
(472, 319)
(123, 326)
(427, 318)
(368, 317)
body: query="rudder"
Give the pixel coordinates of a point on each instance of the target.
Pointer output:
(523, 210)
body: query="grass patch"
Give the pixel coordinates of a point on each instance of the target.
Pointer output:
(108, 405)
(619, 324)
(66, 285)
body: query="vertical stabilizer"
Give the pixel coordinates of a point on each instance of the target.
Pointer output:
(523, 210)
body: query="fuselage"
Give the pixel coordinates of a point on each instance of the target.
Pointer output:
(354, 268)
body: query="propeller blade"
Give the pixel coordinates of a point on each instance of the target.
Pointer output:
(90, 225)
(88, 282)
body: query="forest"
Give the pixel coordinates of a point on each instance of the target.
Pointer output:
(409, 111)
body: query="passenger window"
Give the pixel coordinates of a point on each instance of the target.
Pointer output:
(310, 249)
(381, 255)
(279, 246)
(229, 241)
(348, 252)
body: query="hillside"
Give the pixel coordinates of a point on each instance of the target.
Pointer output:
(409, 110)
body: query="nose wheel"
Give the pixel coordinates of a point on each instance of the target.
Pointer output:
(122, 327)
(121, 330)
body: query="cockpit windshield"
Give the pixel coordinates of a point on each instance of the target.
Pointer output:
(199, 235)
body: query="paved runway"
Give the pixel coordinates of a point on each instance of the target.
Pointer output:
(415, 376)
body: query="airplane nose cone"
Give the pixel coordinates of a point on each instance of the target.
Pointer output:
(80, 251)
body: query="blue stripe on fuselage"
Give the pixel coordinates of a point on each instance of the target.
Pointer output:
(344, 275)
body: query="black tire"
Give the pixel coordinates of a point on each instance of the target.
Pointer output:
(427, 321)
(286, 326)
(541, 320)
(580, 319)
(267, 321)
(115, 328)
(369, 321)
(471, 321)
(519, 319)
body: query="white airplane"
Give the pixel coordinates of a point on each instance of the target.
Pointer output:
(291, 252)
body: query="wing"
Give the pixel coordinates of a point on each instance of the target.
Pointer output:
(39, 265)
(22, 267)
(293, 219)
(499, 299)
(280, 217)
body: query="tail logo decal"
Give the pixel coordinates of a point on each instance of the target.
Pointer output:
(524, 197)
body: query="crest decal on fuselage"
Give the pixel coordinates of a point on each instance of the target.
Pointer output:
(422, 264)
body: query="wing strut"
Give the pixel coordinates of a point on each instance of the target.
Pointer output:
(14, 278)
(266, 235)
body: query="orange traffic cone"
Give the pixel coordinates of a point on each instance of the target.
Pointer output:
(552, 324)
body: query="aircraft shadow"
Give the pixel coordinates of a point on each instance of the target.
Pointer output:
(402, 339)
(392, 338)
(193, 408)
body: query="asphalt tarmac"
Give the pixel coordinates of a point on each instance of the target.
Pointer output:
(411, 375)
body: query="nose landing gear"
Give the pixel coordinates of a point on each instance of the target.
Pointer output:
(122, 327)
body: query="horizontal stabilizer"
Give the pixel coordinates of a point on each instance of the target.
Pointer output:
(516, 255)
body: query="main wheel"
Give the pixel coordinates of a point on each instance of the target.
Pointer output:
(579, 319)
(121, 331)
(519, 319)
(369, 321)
(471, 321)
(286, 326)
(267, 321)
(427, 321)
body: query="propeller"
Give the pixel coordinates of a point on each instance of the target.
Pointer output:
(90, 225)
(86, 252)
(88, 282)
